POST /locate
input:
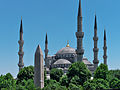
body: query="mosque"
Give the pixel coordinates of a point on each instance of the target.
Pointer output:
(63, 58)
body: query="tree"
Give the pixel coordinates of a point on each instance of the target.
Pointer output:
(101, 72)
(115, 83)
(54, 85)
(55, 74)
(115, 73)
(75, 80)
(96, 84)
(64, 81)
(8, 76)
(79, 69)
(75, 87)
(7, 81)
(29, 85)
(25, 74)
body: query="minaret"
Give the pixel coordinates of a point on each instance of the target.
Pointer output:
(79, 34)
(21, 53)
(95, 49)
(46, 51)
(38, 68)
(105, 49)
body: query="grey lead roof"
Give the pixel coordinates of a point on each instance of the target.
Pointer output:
(66, 50)
(62, 61)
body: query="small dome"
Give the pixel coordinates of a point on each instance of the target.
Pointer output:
(62, 61)
(66, 50)
(85, 61)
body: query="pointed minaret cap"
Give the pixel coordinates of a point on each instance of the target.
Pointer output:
(79, 9)
(39, 50)
(104, 34)
(67, 44)
(21, 28)
(46, 40)
(95, 22)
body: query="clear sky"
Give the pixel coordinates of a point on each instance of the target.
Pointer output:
(59, 19)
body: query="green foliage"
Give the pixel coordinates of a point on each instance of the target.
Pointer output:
(54, 85)
(25, 74)
(75, 87)
(75, 80)
(64, 81)
(26, 85)
(115, 73)
(29, 84)
(45, 72)
(115, 83)
(77, 75)
(96, 84)
(7, 81)
(101, 72)
(79, 69)
(8, 76)
(55, 74)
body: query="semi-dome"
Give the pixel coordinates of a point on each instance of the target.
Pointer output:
(62, 61)
(66, 50)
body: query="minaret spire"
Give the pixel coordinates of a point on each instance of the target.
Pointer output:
(79, 9)
(46, 40)
(95, 49)
(105, 49)
(79, 34)
(95, 26)
(46, 51)
(21, 28)
(21, 53)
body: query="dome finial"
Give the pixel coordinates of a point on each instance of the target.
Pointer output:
(67, 44)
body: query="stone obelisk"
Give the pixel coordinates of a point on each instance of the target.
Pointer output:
(38, 68)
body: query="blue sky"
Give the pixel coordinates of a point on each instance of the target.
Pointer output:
(59, 19)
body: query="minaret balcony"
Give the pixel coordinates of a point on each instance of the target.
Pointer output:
(104, 56)
(104, 48)
(21, 42)
(20, 53)
(80, 51)
(46, 50)
(95, 38)
(95, 61)
(20, 64)
(79, 34)
(95, 49)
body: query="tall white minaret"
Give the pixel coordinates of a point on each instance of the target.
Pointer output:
(95, 49)
(21, 53)
(39, 68)
(46, 51)
(79, 35)
(105, 49)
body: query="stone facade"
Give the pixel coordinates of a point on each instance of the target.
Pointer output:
(39, 68)
(65, 56)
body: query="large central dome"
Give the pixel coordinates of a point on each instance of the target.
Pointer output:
(66, 50)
